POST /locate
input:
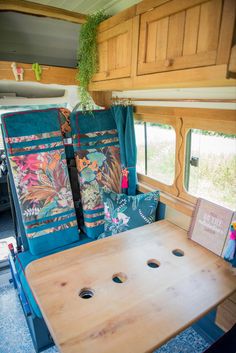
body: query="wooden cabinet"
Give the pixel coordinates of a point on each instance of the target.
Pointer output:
(226, 313)
(179, 35)
(114, 52)
(167, 43)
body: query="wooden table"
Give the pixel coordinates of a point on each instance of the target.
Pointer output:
(152, 304)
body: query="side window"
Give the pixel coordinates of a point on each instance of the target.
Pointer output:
(140, 132)
(156, 151)
(210, 166)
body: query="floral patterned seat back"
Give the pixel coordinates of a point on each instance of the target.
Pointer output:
(38, 164)
(97, 155)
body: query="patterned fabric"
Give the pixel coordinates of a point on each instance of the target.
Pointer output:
(40, 174)
(123, 116)
(64, 117)
(124, 212)
(97, 155)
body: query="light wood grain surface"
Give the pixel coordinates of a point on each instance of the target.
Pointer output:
(50, 74)
(139, 315)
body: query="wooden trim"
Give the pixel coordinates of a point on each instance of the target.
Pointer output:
(209, 76)
(113, 32)
(171, 189)
(224, 125)
(169, 8)
(135, 43)
(169, 200)
(117, 19)
(179, 63)
(33, 8)
(232, 61)
(147, 5)
(199, 113)
(226, 33)
(190, 100)
(51, 74)
(120, 84)
(174, 122)
(112, 74)
(103, 99)
(162, 119)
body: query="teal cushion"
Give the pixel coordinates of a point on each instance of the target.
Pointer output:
(123, 212)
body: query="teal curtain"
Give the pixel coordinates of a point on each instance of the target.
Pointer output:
(123, 116)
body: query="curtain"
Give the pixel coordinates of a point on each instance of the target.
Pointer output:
(123, 116)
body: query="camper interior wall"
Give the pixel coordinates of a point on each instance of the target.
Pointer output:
(181, 97)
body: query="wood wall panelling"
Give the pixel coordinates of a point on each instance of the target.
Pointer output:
(51, 74)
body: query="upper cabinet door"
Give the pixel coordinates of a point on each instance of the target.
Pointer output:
(179, 35)
(114, 52)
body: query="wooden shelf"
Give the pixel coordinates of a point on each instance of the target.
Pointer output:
(51, 74)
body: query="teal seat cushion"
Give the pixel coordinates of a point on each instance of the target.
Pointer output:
(26, 257)
(123, 212)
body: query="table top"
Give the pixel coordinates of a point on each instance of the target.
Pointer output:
(87, 312)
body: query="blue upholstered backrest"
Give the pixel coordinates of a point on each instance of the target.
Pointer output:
(38, 167)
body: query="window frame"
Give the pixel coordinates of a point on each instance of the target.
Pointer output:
(165, 120)
(182, 119)
(223, 126)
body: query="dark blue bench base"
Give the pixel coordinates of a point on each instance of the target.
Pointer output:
(38, 329)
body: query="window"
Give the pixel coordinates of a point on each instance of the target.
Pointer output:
(156, 151)
(210, 168)
(140, 142)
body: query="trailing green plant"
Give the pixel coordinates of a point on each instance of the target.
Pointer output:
(87, 55)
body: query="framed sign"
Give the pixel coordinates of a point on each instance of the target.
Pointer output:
(210, 225)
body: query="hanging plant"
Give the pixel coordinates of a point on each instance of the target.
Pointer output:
(87, 55)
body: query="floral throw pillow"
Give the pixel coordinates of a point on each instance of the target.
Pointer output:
(123, 212)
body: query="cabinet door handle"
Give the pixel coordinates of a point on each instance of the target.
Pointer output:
(168, 62)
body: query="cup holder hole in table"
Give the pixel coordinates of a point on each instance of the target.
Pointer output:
(153, 263)
(119, 277)
(178, 252)
(86, 293)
